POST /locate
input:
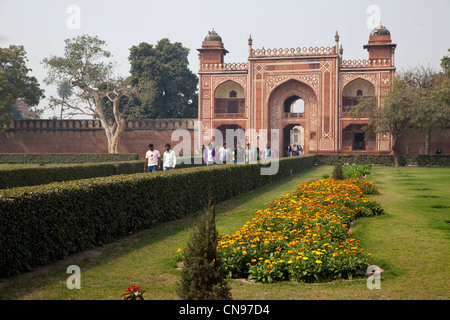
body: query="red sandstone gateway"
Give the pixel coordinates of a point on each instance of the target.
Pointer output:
(302, 92)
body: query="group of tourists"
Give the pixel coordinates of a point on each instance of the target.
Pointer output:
(295, 150)
(211, 155)
(223, 155)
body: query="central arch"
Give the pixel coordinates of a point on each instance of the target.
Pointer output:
(278, 119)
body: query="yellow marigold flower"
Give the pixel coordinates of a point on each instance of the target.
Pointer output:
(318, 261)
(244, 252)
(179, 250)
(266, 261)
(290, 261)
(281, 261)
(305, 258)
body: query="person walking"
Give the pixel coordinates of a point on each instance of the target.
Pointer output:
(247, 153)
(152, 159)
(267, 153)
(223, 155)
(169, 158)
(210, 155)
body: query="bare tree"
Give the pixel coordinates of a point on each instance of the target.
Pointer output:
(86, 67)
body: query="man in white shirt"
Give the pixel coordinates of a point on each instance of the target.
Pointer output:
(152, 159)
(169, 158)
(224, 155)
(294, 150)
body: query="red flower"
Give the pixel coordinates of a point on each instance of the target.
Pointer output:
(136, 288)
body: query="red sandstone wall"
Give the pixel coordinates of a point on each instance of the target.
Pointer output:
(412, 144)
(66, 137)
(85, 137)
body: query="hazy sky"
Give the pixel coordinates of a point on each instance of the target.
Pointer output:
(421, 29)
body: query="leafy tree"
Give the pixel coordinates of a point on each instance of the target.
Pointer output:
(395, 116)
(169, 88)
(432, 110)
(15, 82)
(445, 64)
(86, 66)
(202, 276)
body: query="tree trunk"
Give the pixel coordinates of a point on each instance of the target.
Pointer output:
(113, 130)
(427, 141)
(116, 137)
(394, 149)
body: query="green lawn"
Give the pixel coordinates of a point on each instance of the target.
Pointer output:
(410, 242)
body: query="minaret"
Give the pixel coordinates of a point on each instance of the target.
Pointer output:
(212, 51)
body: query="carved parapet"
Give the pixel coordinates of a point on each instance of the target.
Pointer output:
(166, 124)
(293, 52)
(374, 63)
(224, 67)
(87, 124)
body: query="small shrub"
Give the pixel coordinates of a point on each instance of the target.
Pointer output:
(337, 172)
(356, 171)
(202, 275)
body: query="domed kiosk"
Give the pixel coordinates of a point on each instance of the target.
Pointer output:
(212, 50)
(380, 30)
(380, 45)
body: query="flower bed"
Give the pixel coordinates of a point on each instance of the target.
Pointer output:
(304, 235)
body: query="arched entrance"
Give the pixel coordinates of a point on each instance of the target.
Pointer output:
(301, 102)
(293, 134)
(238, 135)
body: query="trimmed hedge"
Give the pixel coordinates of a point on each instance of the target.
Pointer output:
(32, 176)
(42, 224)
(375, 159)
(432, 160)
(65, 158)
